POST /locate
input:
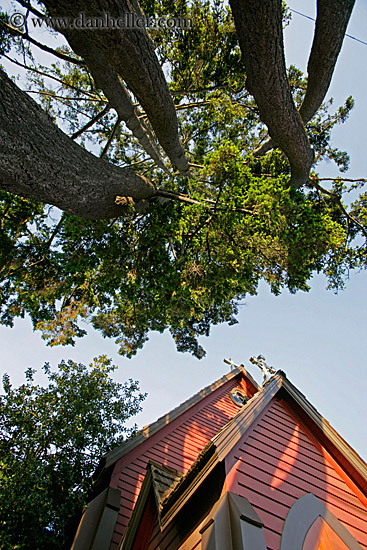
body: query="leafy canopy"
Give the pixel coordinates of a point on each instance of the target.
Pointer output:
(183, 261)
(51, 439)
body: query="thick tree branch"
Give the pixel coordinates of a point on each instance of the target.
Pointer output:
(107, 79)
(38, 161)
(131, 52)
(260, 33)
(331, 24)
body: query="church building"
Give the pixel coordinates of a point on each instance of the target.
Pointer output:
(236, 467)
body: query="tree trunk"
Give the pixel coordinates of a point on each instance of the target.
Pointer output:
(38, 161)
(260, 34)
(131, 52)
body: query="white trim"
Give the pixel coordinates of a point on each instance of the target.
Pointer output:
(301, 517)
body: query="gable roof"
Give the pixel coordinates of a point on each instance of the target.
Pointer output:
(225, 440)
(233, 431)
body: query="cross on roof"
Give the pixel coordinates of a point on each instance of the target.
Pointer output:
(259, 361)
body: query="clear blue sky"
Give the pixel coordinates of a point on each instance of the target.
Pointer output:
(318, 338)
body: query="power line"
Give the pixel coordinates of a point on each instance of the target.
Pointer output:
(313, 19)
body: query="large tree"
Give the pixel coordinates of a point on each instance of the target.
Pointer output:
(192, 203)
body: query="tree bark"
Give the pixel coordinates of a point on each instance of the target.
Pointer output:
(331, 24)
(260, 34)
(38, 161)
(131, 52)
(107, 79)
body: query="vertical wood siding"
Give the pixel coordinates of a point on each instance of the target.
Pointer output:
(277, 462)
(177, 445)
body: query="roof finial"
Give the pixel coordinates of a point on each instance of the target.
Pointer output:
(265, 369)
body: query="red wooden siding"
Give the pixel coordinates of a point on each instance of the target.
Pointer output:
(277, 462)
(177, 445)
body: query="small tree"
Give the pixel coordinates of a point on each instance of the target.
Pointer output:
(51, 441)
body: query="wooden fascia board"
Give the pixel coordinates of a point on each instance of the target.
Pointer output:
(233, 431)
(329, 433)
(110, 458)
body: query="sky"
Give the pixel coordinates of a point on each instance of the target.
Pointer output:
(319, 339)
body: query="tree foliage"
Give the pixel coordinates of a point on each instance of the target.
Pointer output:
(185, 258)
(51, 439)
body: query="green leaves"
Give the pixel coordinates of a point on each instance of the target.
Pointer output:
(181, 263)
(182, 266)
(51, 441)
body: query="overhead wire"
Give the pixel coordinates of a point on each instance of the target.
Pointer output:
(313, 19)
